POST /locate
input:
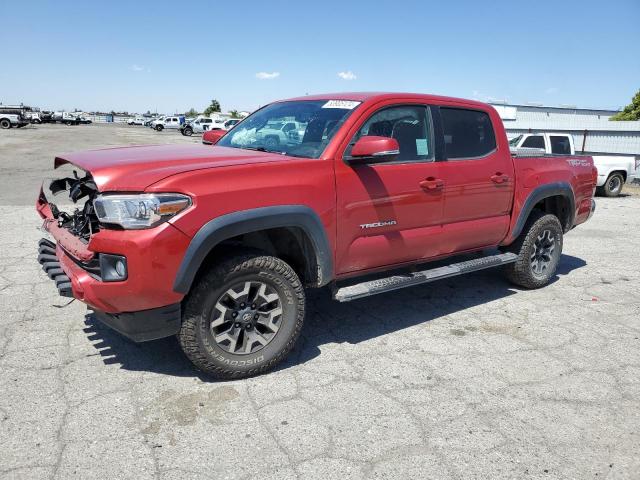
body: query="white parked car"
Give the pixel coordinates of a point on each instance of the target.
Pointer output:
(198, 125)
(155, 121)
(136, 121)
(613, 170)
(279, 133)
(173, 122)
(232, 122)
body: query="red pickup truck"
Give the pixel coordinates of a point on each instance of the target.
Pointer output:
(216, 244)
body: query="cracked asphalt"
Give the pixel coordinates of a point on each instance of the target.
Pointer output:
(468, 378)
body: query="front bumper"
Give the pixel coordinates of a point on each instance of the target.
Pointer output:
(153, 257)
(139, 326)
(144, 325)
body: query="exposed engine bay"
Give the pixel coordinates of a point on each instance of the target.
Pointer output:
(82, 222)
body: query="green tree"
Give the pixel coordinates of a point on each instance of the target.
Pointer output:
(192, 112)
(213, 107)
(234, 113)
(631, 111)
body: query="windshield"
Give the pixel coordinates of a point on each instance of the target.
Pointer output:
(514, 141)
(298, 129)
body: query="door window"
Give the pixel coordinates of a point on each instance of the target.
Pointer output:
(467, 133)
(534, 141)
(410, 125)
(560, 145)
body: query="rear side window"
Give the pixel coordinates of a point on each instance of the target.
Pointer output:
(560, 145)
(535, 141)
(467, 133)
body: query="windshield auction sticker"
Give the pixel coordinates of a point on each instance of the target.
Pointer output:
(344, 104)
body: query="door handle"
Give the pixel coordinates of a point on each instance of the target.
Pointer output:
(431, 183)
(499, 178)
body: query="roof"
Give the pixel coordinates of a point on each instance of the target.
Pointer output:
(377, 96)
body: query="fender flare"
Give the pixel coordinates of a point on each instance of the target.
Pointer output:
(540, 193)
(247, 221)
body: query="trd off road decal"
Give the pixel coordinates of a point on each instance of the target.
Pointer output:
(578, 162)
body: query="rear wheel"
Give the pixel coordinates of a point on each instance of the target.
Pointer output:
(243, 317)
(4, 124)
(539, 248)
(613, 185)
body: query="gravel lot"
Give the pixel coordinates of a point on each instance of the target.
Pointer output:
(466, 378)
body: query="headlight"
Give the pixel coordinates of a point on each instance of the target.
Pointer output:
(134, 212)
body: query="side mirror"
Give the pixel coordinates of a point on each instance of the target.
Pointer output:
(373, 149)
(211, 137)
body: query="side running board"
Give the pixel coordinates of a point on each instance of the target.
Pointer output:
(396, 282)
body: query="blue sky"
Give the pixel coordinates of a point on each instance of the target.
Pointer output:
(173, 55)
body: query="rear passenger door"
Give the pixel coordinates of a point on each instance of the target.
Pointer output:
(478, 180)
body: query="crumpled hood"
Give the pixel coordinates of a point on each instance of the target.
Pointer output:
(135, 168)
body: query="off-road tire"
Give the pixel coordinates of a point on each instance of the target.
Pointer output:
(5, 124)
(521, 272)
(613, 186)
(198, 343)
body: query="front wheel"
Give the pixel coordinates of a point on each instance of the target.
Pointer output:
(538, 248)
(243, 317)
(187, 131)
(158, 128)
(5, 124)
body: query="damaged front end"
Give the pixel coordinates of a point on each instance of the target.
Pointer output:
(82, 222)
(100, 234)
(72, 228)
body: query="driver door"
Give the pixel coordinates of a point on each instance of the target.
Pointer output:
(390, 213)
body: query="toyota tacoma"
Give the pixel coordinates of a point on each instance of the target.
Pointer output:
(217, 244)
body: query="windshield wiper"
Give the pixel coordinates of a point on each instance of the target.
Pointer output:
(257, 149)
(279, 152)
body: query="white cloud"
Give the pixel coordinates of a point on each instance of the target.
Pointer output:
(348, 75)
(137, 68)
(483, 97)
(552, 90)
(267, 75)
